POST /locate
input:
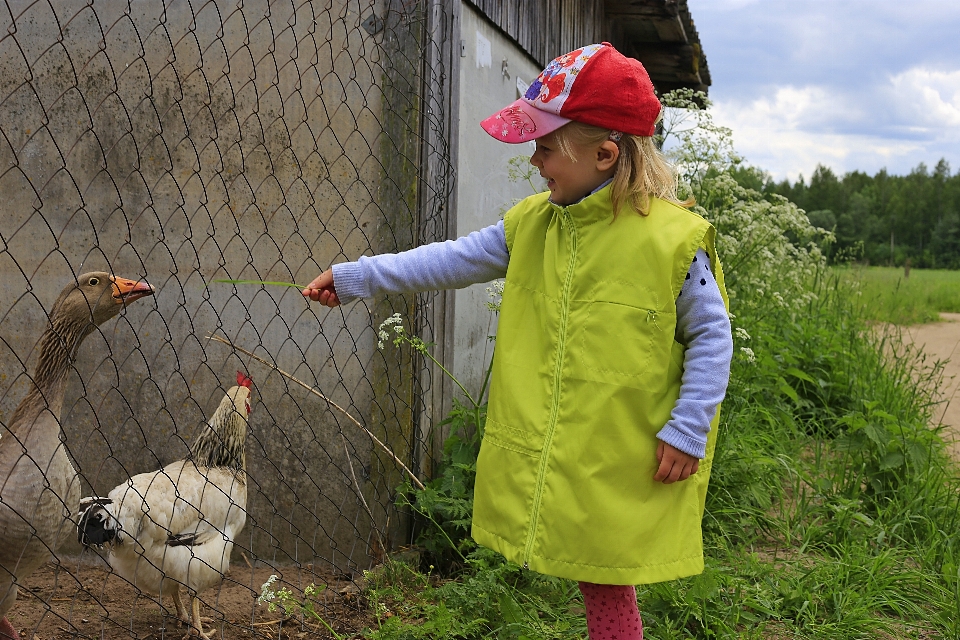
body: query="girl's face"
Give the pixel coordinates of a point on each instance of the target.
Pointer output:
(570, 179)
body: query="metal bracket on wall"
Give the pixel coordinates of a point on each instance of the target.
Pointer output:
(504, 69)
(373, 23)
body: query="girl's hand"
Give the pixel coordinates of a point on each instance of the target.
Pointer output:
(675, 465)
(322, 290)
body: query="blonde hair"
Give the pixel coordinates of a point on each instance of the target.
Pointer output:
(641, 171)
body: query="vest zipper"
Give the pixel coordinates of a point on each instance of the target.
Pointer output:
(571, 228)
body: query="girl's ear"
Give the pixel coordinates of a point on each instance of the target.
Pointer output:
(607, 155)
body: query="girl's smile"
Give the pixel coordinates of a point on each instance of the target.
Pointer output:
(570, 179)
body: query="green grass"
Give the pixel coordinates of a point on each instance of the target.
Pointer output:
(888, 296)
(833, 512)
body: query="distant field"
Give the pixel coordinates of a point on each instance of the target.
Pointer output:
(890, 297)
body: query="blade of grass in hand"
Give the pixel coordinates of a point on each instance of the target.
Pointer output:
(279, 284)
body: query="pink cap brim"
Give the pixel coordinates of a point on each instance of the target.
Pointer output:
(522, 122)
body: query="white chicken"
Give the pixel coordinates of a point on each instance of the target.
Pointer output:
(176, 526)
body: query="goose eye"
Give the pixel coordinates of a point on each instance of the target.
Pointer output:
(94, 282)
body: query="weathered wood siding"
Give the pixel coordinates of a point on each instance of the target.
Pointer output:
(659, 33)
(547, 28)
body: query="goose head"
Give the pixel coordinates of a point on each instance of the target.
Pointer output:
(98, 296)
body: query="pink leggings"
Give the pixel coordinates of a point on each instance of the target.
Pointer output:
(612, 612)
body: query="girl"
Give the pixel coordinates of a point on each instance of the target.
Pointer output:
(613, 343)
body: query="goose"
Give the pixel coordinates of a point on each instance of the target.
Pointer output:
(39, 488)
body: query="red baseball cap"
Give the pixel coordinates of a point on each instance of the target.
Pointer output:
(595, 85)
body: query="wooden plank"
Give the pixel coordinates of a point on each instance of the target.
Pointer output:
(512, 17)
(670, 63)
(529, 26)
(567, 8)
(670, 29)
(551, 47)
(646, 8)
(600, 33)
(638, 30)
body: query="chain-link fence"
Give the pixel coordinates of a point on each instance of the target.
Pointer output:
(179, 142)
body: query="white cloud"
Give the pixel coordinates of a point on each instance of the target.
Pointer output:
(929, 100)
(913, 118)
(855, 84)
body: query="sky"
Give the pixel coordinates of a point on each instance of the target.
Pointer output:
(849, 84)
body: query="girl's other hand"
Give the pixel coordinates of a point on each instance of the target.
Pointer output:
(675, 465)
(322, 290)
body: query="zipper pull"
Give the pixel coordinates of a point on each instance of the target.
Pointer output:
(652, 317)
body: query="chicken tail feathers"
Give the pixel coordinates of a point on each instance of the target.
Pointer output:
(96, 526)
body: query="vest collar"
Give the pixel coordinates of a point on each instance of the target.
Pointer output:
(593, 208)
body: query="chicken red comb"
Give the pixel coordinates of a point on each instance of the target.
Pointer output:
(244, 380)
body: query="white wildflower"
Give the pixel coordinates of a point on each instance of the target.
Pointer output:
(748, 354)
(741, 334)
(495, 291)
(267, 595)
(383, 331)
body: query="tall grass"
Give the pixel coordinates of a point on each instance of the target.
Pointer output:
(888, 295)
(833, 511)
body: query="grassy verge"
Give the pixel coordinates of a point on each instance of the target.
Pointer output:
(886, 295)
(833, 512)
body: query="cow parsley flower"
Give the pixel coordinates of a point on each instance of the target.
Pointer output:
(394, 323)
(267, 594)
(495, 291)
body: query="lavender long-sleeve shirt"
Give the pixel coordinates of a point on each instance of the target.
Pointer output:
(702, 321)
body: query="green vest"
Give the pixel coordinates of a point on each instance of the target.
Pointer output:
(586, 373)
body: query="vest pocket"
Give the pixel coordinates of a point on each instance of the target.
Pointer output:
(512, 439)
(623, 345)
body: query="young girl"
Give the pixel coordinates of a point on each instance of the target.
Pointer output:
(613, 343)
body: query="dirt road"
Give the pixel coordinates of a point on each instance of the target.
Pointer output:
(942, 341)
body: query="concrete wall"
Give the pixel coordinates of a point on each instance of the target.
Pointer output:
(484, 189)
(240, 141)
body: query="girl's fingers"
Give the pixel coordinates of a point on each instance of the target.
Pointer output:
(674, 469)
(663, 471)
(321, 290)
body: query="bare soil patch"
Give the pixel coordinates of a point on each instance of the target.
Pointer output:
(80, 599)
(941, 340)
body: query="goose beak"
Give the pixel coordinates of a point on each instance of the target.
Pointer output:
(126, 291)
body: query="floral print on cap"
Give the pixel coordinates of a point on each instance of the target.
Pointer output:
(552, 87)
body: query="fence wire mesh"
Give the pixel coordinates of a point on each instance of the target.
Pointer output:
(178, 142)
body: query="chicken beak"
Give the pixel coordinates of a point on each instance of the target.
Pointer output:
(126, 291)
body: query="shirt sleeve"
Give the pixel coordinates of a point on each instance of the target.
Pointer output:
(453, 264)
(703, 325)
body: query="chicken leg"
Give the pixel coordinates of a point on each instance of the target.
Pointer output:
(196, 628)
(182, 612)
